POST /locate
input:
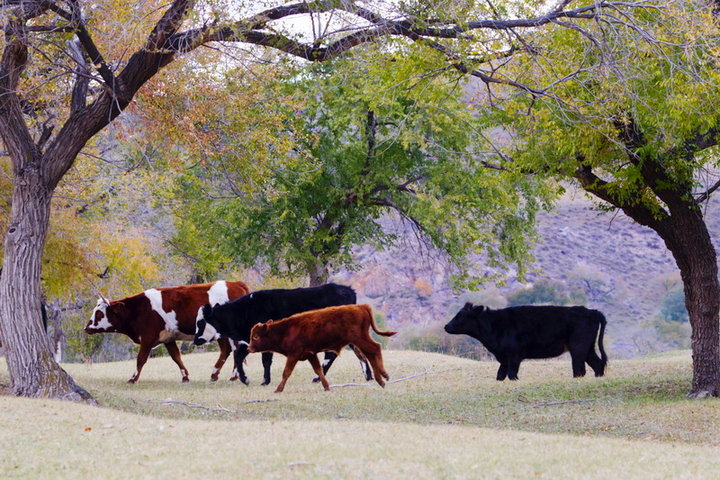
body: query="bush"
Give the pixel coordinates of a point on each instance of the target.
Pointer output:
(673, 308)
(434, 339)
(549, 292)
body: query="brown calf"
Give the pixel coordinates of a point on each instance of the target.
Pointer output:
(303, 336)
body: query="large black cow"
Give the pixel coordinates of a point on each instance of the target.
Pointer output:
(235, 319)
(516, 333)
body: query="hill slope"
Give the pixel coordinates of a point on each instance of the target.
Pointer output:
(624, 269)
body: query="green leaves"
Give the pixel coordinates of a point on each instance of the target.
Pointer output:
(371, 140)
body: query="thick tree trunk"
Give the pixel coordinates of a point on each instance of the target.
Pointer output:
(29, 354)
(697, 259)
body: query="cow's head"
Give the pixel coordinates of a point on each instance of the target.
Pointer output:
(465, 321)
(259, 337)
(103, 315)
(204, 329)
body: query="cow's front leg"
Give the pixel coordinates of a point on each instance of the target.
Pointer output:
(502, 371)
(513, 367)
(313, 359)
(142, 357)
(328, 360)
(239, 355)
(174, 352)
(287, 371)
(267, 363)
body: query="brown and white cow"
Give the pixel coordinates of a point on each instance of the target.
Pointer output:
(304, 335)
(164, 315)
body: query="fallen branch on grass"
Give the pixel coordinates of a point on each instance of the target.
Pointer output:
(352, 384)
(582, 400)
(170, 401)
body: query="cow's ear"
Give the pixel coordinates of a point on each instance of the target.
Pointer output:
(206, 311)
(481, 308)
(468, 306)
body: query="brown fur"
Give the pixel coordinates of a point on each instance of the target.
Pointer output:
(134, 317)
(303, 336)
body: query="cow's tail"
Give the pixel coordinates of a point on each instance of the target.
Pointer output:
(603, 355)
(384, 333)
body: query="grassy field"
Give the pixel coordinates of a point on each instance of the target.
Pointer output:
(450, 420)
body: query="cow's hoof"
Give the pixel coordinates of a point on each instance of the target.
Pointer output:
(316, 380)
(214, 378)
(233, 379)
(185, 380)
(245, 381)
(278, 390)
(132, 380)
(265, 384)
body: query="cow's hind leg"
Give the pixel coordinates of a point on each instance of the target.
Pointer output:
(373, 352)
(239, 356)
(267, 363)
(142, 357)
(595, 363)
(363, 363)
(313, 359)
(225, 350)
(287, 371)
(174, 352)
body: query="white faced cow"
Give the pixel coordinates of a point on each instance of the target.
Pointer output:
(164, 315)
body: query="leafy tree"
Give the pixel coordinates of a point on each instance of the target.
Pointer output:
(377, 145)
(67, 72)
(635, 124)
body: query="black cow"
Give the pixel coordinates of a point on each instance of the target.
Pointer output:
(516, 333)
(235, 319)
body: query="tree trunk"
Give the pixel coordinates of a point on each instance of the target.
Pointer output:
(29, 354)
(697, 259)
(318, 274)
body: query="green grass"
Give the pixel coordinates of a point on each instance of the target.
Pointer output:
(454, 421)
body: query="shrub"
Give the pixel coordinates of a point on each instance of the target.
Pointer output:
(673, 308)
(551, 292)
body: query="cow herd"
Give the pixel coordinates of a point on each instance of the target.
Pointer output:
(303, 322)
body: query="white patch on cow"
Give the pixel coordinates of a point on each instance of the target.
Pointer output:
(170, 318)
(243, 342)
(251, 295)
(233, 346)
(215, 371)
(218, 293)
(326, 362)
(103, 323)
(210, 333)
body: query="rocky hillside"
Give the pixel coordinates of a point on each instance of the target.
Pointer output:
(624, 270)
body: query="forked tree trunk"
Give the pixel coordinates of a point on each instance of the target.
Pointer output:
(28, 350)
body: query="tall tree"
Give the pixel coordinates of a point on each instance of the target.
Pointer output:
(370, 138)
(56, 94)
(635, 125)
